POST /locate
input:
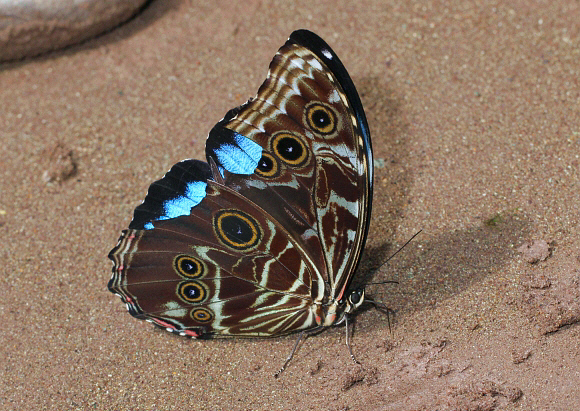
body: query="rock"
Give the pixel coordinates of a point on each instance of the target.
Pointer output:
(537, 251)
(62, 164)
(32, 27)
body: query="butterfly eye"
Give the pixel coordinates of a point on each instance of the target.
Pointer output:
(356, 298)
(201, 315)
(267, 166)
(191, 292)
(320, 118)
(188, 267)
(237, 229)
(290, 148)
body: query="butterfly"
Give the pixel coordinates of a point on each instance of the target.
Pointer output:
(265, 237)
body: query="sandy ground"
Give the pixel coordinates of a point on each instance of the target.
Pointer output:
(474, 109)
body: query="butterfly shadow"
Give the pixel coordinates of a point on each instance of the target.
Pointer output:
(432, 269)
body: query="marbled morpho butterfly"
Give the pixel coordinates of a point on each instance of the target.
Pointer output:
(264, 238)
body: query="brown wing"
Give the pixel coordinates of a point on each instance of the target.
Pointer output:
(227, 268)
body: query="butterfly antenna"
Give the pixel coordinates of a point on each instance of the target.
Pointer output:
(391, 257)
(381, 306)
(300, 337)
(383, 282)
(403, 246)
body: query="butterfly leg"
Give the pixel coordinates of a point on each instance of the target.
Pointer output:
(382, 307)
(348, 341)
(300, 337)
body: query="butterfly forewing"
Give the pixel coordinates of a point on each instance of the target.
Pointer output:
(303, 100)
(268, 233)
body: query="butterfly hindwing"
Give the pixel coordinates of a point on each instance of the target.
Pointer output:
(196, 273)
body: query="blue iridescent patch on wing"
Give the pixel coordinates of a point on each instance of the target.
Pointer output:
(176, 194)
(182, 205)
(241, 158)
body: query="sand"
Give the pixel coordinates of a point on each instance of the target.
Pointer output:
(474, 109)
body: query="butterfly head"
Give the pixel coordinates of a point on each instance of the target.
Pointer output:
(354, 300)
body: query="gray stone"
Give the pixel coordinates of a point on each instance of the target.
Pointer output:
(32, 27)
